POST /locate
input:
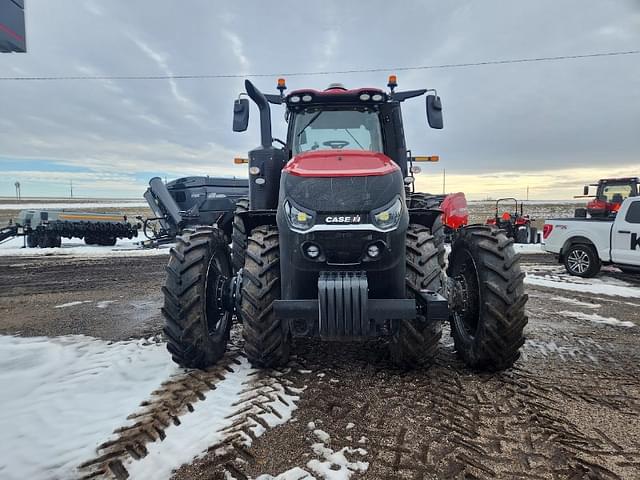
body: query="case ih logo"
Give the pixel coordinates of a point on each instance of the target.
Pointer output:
(343, 219)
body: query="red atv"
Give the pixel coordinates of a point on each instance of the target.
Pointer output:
(609, 196)
(516, 224)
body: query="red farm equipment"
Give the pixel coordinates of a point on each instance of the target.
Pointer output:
(515, 223)
(335, 244)
(610, 193)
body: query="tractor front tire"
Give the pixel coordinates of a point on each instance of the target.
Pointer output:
(415, 343)
(486, 298)
(239, 235)
(196, 324)
(266, 337)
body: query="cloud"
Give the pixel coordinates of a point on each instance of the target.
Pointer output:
(505, 126)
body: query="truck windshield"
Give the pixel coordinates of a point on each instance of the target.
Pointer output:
(317, 129)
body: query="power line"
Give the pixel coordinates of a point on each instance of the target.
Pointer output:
(317, 73)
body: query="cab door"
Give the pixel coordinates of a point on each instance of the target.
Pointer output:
(625, 237)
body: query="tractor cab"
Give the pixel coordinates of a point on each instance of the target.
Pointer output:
(610, 194)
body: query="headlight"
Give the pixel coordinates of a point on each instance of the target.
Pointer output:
(389, 217)
(297, 218)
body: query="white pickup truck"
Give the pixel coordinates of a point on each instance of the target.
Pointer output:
(584, 244)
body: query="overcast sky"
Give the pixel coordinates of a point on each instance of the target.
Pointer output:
(553, 126)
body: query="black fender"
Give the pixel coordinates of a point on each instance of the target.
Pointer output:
(424, 216)
(257, 218)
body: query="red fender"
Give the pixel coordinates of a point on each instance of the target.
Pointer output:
(455, 213)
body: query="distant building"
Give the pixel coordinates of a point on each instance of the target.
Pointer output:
(12, 33)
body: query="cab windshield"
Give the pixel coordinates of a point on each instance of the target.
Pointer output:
(318, 129)
(613, 193)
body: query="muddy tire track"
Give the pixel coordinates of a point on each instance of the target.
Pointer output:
(256, 410)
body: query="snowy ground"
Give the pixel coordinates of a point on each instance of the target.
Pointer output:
(61, 397)
(73, 205)
(77, 248)
(336, 412)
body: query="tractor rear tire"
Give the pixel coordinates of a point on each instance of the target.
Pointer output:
(239, 235)
(266, 337)
(32, 240)
(196, 324)
(415, 343)
(486, 298)
(522, 235)
(424, 200)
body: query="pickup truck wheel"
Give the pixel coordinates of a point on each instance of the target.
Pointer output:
(582, 261)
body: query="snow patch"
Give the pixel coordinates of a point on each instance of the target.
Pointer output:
(595, 318)
(72, 304)
(197, 430)
(321, 435)
(71, 205)
(350, 425)
(105, 303)
(594, 286)
(529, 248)
(61, 397)
(229, 405)
(575, 302)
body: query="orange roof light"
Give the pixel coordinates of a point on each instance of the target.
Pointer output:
(282, 85)
(240, 160)
(393, 82)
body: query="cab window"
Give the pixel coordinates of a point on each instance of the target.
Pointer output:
(616, 193)
(633, 214)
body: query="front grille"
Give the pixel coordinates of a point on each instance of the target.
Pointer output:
(343, 247)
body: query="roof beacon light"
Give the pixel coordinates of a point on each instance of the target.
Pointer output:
(393, 82)
(282, 86)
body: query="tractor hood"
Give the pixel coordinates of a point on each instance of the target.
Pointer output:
(340, 163)
(341, 181)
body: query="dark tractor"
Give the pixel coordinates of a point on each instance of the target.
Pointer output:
(189, 201)
(515, 223)
(336, 244)
(610, 193)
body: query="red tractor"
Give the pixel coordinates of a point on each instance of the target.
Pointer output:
(335, 244)
(610, 194)
(514, 223)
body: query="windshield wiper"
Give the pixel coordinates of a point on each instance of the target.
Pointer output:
(354, 138)
(313, 119)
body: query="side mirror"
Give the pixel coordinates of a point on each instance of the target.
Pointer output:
(434, 111)
(240, 114)
(586, 190)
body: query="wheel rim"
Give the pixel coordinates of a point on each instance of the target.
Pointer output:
(217, 282)
(578, 261)
(464, 295)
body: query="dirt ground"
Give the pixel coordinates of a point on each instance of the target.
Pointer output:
(568, 409)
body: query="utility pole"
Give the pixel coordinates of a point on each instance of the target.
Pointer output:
(444, 181)
(18, 195)
(527, 193)
(71, 187)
